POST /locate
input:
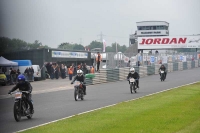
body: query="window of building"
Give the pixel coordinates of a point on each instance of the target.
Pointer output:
(157, 27)
(139, 28)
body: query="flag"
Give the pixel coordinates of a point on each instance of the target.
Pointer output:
(104, 45)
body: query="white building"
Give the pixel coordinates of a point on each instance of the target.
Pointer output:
(149, 28)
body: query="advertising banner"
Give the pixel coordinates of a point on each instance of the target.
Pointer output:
(67, 54)
(167, 42)
(164, 59)
(198, 56)
(152, 59)
(184, 59)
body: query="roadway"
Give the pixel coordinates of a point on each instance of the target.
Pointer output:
(53, 99)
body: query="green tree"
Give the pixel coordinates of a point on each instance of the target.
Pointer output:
(109, 49)
(66, 45)
(95, 44)
(78, 47)
(10, 45)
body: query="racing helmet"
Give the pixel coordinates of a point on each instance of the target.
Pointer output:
(21, 79)
(132, 70)
(79, 73)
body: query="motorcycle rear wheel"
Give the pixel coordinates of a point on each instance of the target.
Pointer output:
(134, 88)
(17, 112)
(30, 115)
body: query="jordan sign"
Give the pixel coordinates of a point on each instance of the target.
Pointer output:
(167, 42)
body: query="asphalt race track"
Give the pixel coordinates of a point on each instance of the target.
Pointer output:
(55, 105)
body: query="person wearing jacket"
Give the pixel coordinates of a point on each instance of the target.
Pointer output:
(23, 85)
(81, 78)
(70, 72)
(135, 75)
(98, 60)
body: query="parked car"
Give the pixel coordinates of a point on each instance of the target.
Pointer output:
(3, 79)
(37, 72)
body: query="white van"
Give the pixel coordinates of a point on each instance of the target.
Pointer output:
(37, 72)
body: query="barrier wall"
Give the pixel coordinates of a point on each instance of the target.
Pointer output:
(112, 75)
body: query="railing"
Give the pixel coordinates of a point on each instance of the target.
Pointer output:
(119, 74)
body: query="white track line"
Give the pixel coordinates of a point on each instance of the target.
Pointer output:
(104, 107)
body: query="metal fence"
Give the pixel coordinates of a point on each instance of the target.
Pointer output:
(120, 60)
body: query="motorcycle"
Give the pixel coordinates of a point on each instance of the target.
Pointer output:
(78, 91)
(133, 85)
(21, 107)
(162, 77)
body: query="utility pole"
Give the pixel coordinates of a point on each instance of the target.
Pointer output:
(81, 41)
(116, 47)
(101, 36)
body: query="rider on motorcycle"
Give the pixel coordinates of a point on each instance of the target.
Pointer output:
(80, 77)
(135, 75)
(23, 85)
(163, 68)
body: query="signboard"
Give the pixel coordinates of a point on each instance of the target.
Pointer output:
(181, 58)
(184, 59)
(164, 59)
(126, 59)
(166, 42)
(198, 56)
(67, 54)
(152, 59)
(133, 60)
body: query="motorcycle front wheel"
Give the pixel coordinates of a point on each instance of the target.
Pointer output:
(17, 112)
(131, 87)
(75, 94)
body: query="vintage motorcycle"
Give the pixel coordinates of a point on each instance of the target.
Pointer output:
(162, 75)
(133, 85)
(78, 90)
(21, 107)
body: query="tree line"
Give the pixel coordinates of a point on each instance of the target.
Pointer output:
(94, 44)
(10, 45)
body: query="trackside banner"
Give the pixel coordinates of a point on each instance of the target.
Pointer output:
(168, 42)
(66, 54)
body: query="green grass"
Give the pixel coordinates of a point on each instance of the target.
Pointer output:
(174, 111)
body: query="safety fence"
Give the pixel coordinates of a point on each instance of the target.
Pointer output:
(119, 60)
(119, 74)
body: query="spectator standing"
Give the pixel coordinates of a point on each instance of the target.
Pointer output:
(12, 76)
(56, 71)
(26, 73)
(32, 73)
(62, 71)
(92, 69)
(70, 72)
(52, 71)
(129, 63)
(85, 71)
(98, 60)
(18, 73)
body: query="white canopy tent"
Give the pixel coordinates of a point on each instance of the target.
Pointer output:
(5, 62)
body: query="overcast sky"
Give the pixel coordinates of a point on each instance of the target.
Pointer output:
(53, 22)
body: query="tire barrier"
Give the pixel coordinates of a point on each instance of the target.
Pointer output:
(119, 74)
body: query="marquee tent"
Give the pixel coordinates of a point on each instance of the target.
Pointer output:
(5, 62)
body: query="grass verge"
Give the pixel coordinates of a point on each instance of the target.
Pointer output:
(176, 110)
